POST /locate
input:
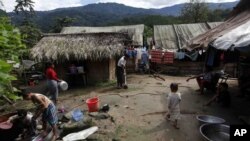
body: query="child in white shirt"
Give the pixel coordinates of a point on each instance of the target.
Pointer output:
(173, 103)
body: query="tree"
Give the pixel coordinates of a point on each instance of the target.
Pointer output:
(62, 22)
(2, 11)
(195, 11)
(11, 47)
(25, 6)
(218, 15)
(30, 33)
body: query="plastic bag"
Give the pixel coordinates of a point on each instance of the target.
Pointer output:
(77, 115)
(80, 135)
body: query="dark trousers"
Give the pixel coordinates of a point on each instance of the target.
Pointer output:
(120, 76)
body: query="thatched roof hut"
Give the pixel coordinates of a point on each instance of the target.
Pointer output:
(135, 32)
(91, 46)
(95, 52)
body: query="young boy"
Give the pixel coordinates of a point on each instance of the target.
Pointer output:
(222, 96)
(174, 99)
(24, 118)
(48, 110)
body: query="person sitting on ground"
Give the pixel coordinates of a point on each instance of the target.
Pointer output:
(25, 118)
(222, 96)
(45, 107)
(19, 125)
(203, 80)
(174, 99)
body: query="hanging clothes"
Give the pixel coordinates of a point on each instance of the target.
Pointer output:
(156, 56)
(179, 55)
(211, 57)
(138, 53)
(193, 56)
(144, 57)
(168, 58)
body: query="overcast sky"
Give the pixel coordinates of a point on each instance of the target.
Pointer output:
(43, 5)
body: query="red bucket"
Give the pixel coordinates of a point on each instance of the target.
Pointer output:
(93, 104)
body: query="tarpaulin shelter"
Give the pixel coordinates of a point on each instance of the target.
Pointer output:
(174, 37)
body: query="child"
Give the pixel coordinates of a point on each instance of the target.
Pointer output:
(174, 99)
(222, 96)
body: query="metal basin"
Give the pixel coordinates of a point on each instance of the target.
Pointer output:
(209, 119)
(47, 138)
(215, 132)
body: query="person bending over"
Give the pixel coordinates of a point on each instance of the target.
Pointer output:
(45, 107)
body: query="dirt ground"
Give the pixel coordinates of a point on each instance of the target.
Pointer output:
(138, 111)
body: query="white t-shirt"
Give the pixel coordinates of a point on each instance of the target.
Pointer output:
(174, 100)
(122, 62)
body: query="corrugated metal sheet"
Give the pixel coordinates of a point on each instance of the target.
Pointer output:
(238, 37)
(204, 39)
(177, 36)
(135, 31)
(214, 24)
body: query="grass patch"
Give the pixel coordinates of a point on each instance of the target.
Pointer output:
(106, 84)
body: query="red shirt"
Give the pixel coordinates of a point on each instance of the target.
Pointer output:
(51, 74)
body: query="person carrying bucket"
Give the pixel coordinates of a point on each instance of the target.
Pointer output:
(52, 81)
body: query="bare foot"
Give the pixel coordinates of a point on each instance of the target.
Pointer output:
(167, 117)
(176, 127)
(55, 137)
(198, 90)
(44, 134)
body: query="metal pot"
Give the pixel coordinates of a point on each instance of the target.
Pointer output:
(215, 132)
(203, 119)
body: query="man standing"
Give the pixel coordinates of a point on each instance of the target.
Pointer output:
(121, 66)
(48, 110)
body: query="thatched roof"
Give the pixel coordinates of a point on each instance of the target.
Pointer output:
(94, 46)
(135, 32)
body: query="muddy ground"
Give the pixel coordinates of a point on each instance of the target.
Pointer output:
(138, 112)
